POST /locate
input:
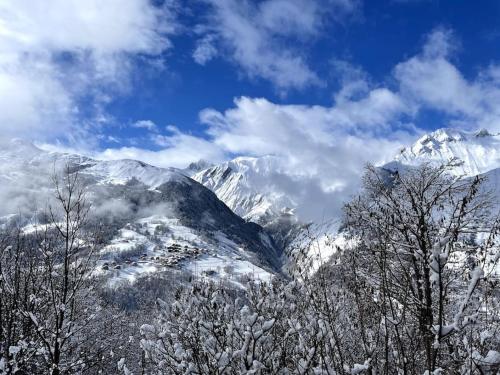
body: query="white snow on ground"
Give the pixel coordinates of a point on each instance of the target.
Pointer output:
(131, 273)
(227, 261)
(159, 243)
(119, 172)
(37, 228)
(228, 267)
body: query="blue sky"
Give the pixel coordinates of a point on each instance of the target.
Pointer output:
(170, 82)
(375, 37)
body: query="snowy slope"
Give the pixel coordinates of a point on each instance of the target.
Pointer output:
(121, 172)
(20, 159)
(160, 243)
(473, 152)
(135, 198)
(26, 172)
(314, 245)
(246, 185)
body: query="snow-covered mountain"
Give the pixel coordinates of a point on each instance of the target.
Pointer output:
(472, 152)
(246, 185)
(159, 218)
(196, 167)
(158, 208)
(19, 158)
(469, 153)
(257, 189)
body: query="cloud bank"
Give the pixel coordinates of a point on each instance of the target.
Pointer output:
(61, 60)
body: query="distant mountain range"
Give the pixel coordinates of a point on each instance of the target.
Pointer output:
(220, 220)
(248, 187)
(246, 184)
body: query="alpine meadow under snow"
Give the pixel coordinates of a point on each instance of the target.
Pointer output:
(224, 187)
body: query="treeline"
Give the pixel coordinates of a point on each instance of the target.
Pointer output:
(415, 292)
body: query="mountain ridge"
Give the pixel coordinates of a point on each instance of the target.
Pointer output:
(151, 210)
(246, 187)
(472, 152)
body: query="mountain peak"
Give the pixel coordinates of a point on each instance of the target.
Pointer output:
(243, 184)
(474, 152)
(119, 172)
(483, 133)
(449, 135)
(198, 166)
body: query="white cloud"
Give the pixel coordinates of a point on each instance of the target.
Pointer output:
(32, 95)
(354, 81)
(101, 26)
(327, 147)
(145, 124)
(205, 49)
(253, 36)
(54, 52)
(430, 80)
(179, 149)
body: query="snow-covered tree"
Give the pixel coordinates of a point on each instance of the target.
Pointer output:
(47, 303)
(416, 292)
(434, 287)
(214, 330)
